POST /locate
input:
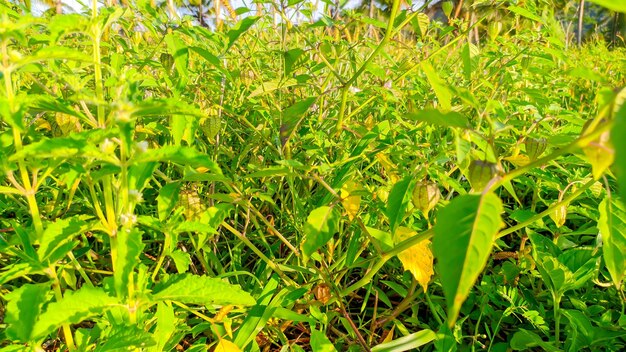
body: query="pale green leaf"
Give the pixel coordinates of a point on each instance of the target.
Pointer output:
(444, 96)
(204, 290)
(73, 308)
(320, 227)
(436, 117)
(58, 234)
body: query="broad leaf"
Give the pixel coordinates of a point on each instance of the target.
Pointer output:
(73, 308)
(56, 235)
(204, 290)
(23, 308)
(612, 225)
(464, 236)
(240, 28)
(320, 227)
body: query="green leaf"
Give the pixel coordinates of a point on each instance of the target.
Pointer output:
(166, 326)
(444, 96)
(612, 226)
(167, 198)
(204, 290)
(525, 13)
(73, 308)
(126, 338)
(320, 227)
(524, 340)
(321, 343)
(613, 5)
(23, 308)
(619, 143)
(397, 203)
(292, 117)
(129, 247)
(240, 28)
(436, 117)
(464, 235)
(58, 234)
(407, 342)
(177, 48)
(180, 155)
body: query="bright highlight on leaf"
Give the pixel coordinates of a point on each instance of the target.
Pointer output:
(226, 346)
(417, 259)
(351, 203)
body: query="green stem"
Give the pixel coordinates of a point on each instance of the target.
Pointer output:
(58, 295)
(557, 319)
(344, 89)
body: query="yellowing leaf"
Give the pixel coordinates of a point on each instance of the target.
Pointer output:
(518, 160)
(351, 203)
(600, 154)
(226, 346)
(417, 259)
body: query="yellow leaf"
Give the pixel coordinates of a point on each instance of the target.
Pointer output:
(226, 346)
(417, 259)
(518, 160)
(351, 203)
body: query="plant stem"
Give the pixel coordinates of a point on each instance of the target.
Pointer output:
(344, 89)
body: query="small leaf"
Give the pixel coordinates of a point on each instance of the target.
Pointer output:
(126, 338)
(180, 155)
(351, 203)
(320, 227)
(167, 199)
(398, 202)
(73, 308)
(464, 235)
(321, 343)
(612, 225)
(186, 288)
(438, 118)
(418, 259)
(226, 346)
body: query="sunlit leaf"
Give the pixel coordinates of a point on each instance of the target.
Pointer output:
(204, 290)
(321, 224)
(464, 235)
(418, 259)
(612, 225)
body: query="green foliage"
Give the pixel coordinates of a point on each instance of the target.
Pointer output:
(249, 185)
